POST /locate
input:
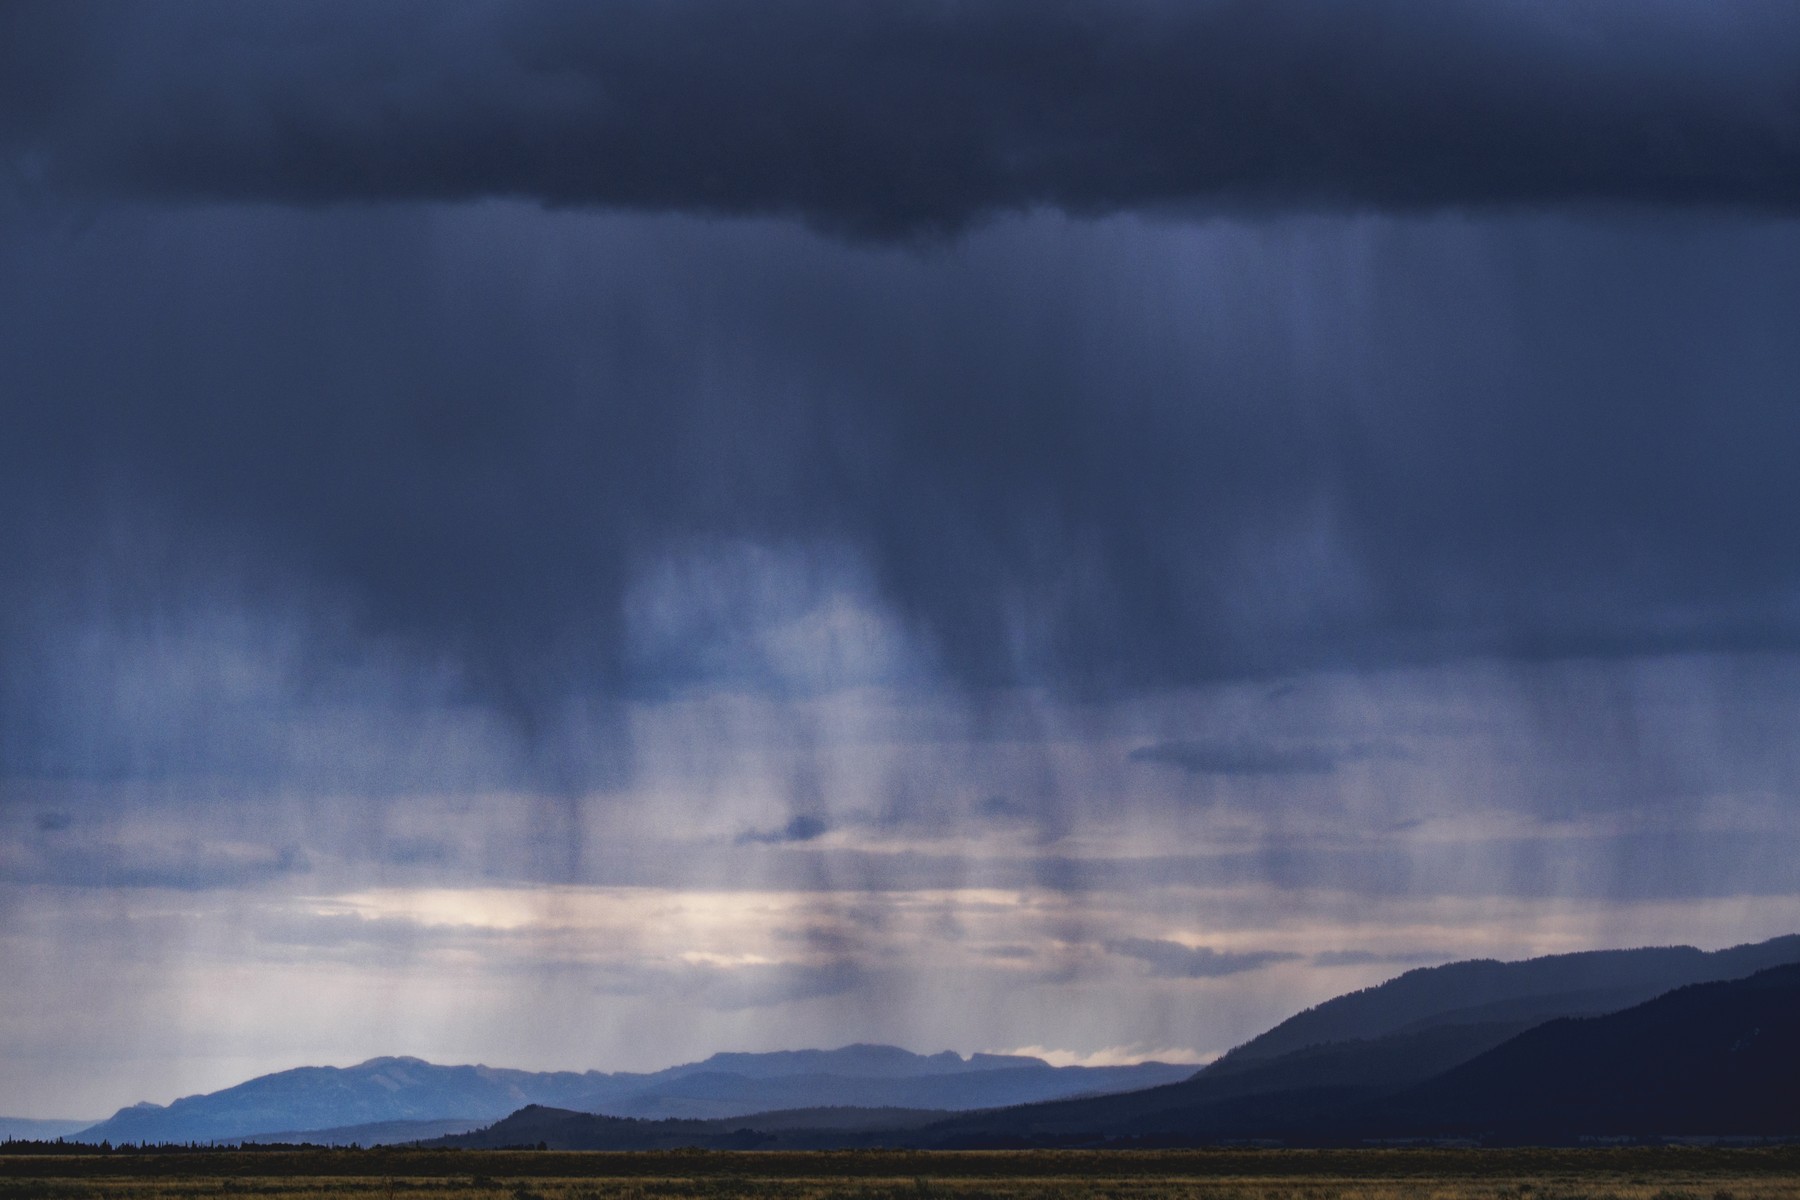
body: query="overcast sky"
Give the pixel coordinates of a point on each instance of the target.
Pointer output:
(570, 535)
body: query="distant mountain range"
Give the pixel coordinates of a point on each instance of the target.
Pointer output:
(1650, 1042)
(406, 1099)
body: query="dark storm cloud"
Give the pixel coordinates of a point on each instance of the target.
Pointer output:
(1172, 960)
(909, 116)
(1004, 808)
(1247, 756)
(67, 859)
(419, 851)
(803, 828)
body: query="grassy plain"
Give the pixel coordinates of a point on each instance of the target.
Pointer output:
(1637, 1173)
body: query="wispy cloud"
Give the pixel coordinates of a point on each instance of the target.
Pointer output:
(181, 864)
(1256, 756)
(1113, 1056)
(804, 827)
(1173, 960)
(1367, 958)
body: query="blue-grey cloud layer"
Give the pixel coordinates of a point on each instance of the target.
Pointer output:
(1094, 456)
(1521, 437)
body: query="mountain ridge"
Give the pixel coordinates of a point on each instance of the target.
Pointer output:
(1417, 1029)
(393, 1088)
(1612, 979)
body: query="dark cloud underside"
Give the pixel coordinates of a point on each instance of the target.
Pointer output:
(1244, 757)
(913, 116)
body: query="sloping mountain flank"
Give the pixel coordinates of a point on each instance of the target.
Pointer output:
(1713, 1059)
(1239, 1103)
(1419, 1041)
(1718, 1059)
(380, 1133)
(710, 1095)
(1298, 1091)
(1484, 991)
(809, 1129)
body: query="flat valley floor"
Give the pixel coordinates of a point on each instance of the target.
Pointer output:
(1634, 1173)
